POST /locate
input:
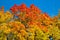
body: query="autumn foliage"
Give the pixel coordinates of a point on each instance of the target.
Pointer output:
(23, 23)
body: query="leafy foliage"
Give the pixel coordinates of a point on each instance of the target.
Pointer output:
(23, 23)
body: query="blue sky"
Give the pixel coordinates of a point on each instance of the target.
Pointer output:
(49, 6)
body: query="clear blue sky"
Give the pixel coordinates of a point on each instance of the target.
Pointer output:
(49, 6)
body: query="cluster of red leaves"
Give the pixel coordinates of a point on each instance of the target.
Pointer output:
(32, 13)
(23, 8)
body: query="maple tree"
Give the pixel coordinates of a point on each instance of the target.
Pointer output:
(23, 23)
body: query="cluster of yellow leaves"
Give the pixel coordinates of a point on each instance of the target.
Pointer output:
(5, 16)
